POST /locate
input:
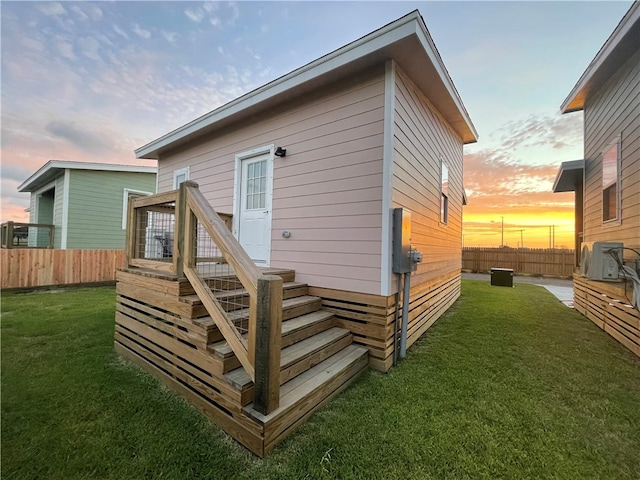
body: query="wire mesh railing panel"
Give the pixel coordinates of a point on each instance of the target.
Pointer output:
(155, 227)
(27, 235)
(221, 278)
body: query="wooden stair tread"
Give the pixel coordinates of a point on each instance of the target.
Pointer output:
(289, 327)
(295, 352)
(206, 322)
(303, 321)
(240, 292)
(240, 379)
(288, 304)
(297, 389)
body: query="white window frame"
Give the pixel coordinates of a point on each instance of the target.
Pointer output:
(125, 203)
(444, 192)
(176, 173)
(617, 144)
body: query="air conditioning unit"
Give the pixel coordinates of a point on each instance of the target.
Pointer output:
(601, 260)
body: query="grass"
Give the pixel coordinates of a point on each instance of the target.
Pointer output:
(508, 384)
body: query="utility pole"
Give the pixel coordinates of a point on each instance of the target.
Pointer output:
(521, 239)
(502, 239)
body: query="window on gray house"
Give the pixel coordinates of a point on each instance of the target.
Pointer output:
(611, 182)
(444, 193)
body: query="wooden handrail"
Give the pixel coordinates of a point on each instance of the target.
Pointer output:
(192, 206)
(219, 316)
(259, 351)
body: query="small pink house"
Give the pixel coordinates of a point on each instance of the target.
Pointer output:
(309, 171)
(374, 125)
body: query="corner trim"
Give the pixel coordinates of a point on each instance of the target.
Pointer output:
(387, 176)
(65, 208)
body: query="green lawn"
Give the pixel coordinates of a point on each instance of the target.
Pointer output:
(510, 383)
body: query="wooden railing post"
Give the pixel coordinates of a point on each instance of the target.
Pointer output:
(9, 235)
(179, 235)
(268, 344)
(132, 228)
(52, 237)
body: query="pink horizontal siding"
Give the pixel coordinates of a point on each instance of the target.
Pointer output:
(327, 190)
(421, 138)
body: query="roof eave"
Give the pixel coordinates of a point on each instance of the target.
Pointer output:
(53, 168)
(628, 26)
(569, 176)
(383, 38)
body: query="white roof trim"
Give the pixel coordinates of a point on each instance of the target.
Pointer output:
(53, 165)
(575, 100)
(411, 24)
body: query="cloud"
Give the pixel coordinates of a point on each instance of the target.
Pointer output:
(556, 131)
(16, 173)
(52, 9)
(141, 32)
(494, 172)
(78, 11)
(86, 11)
(171, 37)
(210, 7)
(215, 21)
(89, 47)
(120, 32)
(94, 12)
(499, 184)
(78, 136)
(195, 15)
(65, 48)
(235, 12)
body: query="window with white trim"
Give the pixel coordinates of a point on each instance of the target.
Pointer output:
(179, 176)
(444, 192)
(611, 182)
(128, 195)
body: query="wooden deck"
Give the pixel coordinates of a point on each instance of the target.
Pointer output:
(328, 338)
(162, 326)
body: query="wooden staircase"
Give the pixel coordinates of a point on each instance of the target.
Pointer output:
(317, 358)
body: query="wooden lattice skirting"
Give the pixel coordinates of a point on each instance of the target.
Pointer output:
(606, 306)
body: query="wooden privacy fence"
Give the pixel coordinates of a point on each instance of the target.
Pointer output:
(25, 268)
(551, 262)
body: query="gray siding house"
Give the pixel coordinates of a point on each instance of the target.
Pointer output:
(86, 202)
(606, 181)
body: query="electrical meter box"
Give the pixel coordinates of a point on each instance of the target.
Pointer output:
(402, 241)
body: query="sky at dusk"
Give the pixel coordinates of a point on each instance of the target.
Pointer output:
(92, 81)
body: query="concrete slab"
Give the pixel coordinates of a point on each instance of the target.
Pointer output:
(564, 294)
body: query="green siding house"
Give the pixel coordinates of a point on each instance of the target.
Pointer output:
(86, 202)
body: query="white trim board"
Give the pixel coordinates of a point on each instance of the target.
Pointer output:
(387, 177)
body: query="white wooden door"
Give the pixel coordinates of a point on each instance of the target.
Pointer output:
(254, 225)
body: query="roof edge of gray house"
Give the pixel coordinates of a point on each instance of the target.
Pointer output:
(612, 55)
(569, 175)
(53, 168)
(393, 41)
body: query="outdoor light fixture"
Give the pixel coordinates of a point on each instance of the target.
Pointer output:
(280, 152)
